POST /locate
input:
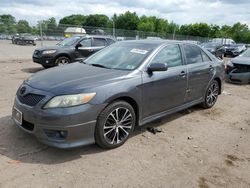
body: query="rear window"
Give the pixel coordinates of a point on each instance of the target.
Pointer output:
(99, 42)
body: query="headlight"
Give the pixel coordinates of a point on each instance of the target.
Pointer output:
(49, 52)
(69, 100)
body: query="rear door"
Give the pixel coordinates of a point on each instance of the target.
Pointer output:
(99, 43)
(200, 71)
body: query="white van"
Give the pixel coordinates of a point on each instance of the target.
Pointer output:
(70, 31)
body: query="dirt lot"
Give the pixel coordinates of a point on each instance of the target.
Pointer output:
(198, 148)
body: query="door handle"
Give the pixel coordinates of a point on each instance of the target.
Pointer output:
(182, 74)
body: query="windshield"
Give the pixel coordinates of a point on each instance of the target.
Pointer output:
(123, 56)
(68, 41)
(246, 53)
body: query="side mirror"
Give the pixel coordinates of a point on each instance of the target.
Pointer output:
(157, 67)
(78, 45)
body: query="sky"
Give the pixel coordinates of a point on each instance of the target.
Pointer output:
(218, 12)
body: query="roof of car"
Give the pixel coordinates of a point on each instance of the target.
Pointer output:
(99, 36)
(157, 42)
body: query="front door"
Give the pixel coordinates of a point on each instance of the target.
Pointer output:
(85, 48)
(165, 90)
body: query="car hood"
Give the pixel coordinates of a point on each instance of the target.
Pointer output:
(210, 49)
(241, 60)
(54, 47)
(74, 78)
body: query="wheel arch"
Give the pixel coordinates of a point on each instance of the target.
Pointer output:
(130, 101)
(219, 82)
(63, 55)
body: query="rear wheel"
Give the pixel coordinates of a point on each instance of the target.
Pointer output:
(114, 125)
(211, 94)
(62, 61)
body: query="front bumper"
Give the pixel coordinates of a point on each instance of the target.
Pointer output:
(47, 61)
(238, 78)
(78, 123)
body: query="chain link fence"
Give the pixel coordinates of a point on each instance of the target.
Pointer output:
(45, 32)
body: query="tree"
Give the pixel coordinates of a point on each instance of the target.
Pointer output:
(73, 20)
(146, 24)
(97, 20)
(7, 24)
(76, 19)
(239, 32)
(127, 21)
(51, 26)
(23, 26)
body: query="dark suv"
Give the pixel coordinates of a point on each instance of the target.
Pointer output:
(70, 50)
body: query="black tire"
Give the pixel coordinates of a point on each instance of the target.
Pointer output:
(111, 134)
(211, 95)
(62, 61)
(46, 66)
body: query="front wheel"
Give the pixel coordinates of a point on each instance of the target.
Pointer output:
(211, 94)
(62, 61)
(114, 125)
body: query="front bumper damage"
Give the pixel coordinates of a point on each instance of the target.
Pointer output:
(238, 73)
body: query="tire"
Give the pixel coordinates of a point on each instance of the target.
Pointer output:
(211, 95)
(62, 61)
(46, 66)
(110, 133)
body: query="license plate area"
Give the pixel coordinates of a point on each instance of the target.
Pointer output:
(17, 115)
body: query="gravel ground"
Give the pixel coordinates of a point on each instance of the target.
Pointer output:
(197, 148)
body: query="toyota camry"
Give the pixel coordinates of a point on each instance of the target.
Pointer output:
(101, 99)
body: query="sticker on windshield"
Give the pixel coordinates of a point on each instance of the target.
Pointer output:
(139, 51)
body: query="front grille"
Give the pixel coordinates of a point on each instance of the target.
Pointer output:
(241, 68)
(30, 99)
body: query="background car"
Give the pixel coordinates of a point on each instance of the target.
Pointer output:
(238, 69)
(215, 48)
(70, 50)
(234, 50)
(103, 98)
(23, 39)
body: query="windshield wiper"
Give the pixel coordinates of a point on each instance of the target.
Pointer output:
(99, 65)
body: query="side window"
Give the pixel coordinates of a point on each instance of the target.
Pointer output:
(169, 55)
(205, 57)
(193, 54)
(86, 42)
(99, 42)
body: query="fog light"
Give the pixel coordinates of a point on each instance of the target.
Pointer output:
(56, 134)
(47, 61)
(63, 134)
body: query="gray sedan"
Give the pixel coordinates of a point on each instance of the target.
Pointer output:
(125, 85)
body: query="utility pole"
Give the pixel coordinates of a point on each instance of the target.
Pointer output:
(174, 32)
(113, 28)
(41, 32)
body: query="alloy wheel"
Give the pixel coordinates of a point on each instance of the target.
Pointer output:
(118, 125)
(63, 62)
(212, 94)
